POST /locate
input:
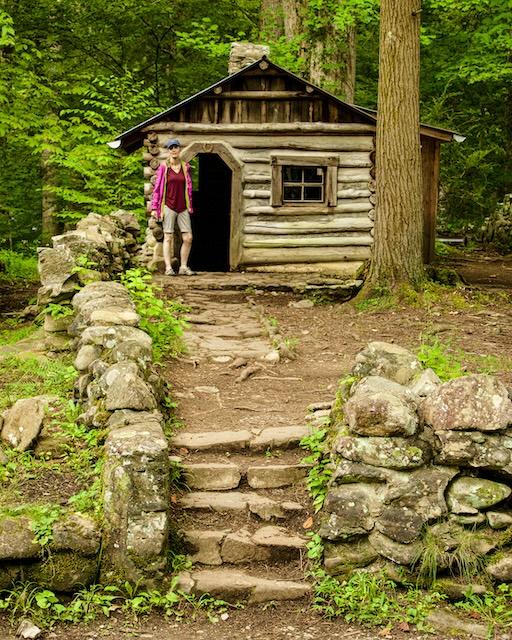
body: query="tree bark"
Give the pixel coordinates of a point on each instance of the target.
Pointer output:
(271, 20)
(49, 223)
(397, 250)
(332, 61)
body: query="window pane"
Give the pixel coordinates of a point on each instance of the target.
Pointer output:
(313, 193)
(292, 174)
(313, 174)
(292, 193)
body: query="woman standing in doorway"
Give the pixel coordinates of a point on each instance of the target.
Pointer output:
(171, 203)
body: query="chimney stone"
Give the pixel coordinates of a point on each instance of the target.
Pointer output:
(245, 53)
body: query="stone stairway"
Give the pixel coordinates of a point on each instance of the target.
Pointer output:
(243, 514)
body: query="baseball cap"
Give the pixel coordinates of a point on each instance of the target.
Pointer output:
(173, 142)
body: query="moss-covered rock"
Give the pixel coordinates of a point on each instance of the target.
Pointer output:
(17, 538)
(65, 572)
(466, 495)
(343, 558)
(391, 452)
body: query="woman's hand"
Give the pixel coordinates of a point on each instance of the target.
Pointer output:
(154, 213)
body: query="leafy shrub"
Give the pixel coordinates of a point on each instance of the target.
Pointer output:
(16, 266)
(160, 318)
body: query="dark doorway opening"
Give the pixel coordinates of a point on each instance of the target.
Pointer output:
(211, 221)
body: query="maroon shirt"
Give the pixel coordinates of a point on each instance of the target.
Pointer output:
(175, 192)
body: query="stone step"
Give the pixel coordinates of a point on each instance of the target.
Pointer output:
(266, 544)
(237, 501)
(236, 586)
(270, 438)
(224, 476)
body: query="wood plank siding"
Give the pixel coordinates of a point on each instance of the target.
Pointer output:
(255, 121)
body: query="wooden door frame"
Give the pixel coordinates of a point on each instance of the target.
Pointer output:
(227, 154)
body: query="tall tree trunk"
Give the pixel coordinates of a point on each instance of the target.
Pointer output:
(397, 249)
(292, 11)
(271, 20)
(332, 61)
(50, 226)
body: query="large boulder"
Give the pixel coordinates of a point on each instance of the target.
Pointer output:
(401, 524)
(468, 495)
(24, 421)
(405, 554)
(76, 532)
(474, 449)
(124, 388)
(422, 490)
(342, 558)
(56, 272)
(17, 538)
(350, 510)
(380, 407)
(500, 568)
(392, 452)
(98, 290)
(63, 572)
(478, 402)
(387, 360)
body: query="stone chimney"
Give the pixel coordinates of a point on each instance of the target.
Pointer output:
(245, 53)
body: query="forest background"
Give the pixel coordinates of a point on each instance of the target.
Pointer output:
(76, 73)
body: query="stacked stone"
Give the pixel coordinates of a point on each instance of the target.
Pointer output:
(119, 390)
(74, 548)
(108, 243)
(417, 463)
(152, 253)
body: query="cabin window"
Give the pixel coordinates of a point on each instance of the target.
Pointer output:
(301, 180)
(303, 184)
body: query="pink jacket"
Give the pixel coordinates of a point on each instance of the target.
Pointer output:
(158, 199)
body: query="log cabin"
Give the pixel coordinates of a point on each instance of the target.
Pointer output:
(284, 172)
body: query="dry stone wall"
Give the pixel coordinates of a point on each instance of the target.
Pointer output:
(117, 390)
(422, 472)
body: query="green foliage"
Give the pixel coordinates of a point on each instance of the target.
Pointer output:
(24, 377)
(493, 608)
(58, 310)
(371, 599)
(42, 518)
(160, 318)
(45, 608)
(17, 266)
(321, 471)
(380, 299)
(450, 362)
(435, 355)
(11, 332)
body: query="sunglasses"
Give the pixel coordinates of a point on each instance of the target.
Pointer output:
(174, 146)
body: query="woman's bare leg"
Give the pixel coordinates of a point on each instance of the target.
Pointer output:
(186, 246)
(168, 249)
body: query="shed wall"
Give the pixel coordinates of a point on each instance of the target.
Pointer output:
(335, 239)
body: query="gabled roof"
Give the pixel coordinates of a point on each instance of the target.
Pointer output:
(131, 138)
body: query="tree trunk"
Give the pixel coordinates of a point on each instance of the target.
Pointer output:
(50, 226)
(332, 61)
(271, 20)
(397, 250)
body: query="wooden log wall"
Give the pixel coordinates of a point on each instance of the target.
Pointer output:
(290, 235)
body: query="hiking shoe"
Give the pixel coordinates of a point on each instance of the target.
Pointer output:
(170, 272)
(186, 271)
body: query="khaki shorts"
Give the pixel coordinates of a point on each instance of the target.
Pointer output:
(170, 218)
